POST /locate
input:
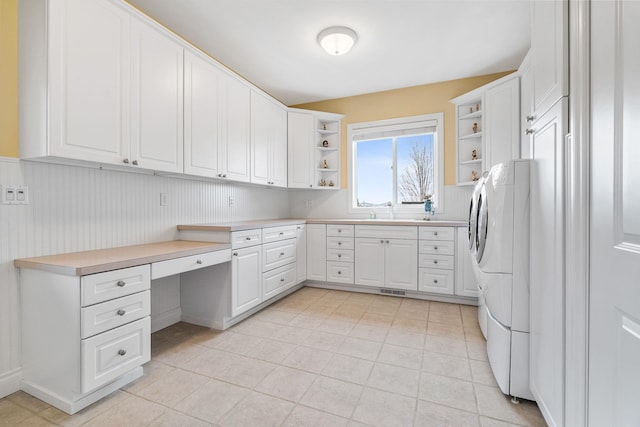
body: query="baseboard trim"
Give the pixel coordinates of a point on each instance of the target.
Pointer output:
(10, 382)
(166, 319)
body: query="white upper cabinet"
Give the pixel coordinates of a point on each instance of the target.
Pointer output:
(75, 79)
(201, 116)
(301, 149)
(502, 123)
(235, 122)
(549, 50)
(157, 101)
(268, 141)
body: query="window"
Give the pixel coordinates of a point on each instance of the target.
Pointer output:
(397, 161)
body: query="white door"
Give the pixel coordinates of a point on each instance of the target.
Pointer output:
(157, 101)
(465, 279)
(279, 146)
(246, 279)
(201, 124)
(301, 149)
(401, 264)
(502, 123)
(261, 149)
(317, 252)
(89, 81)
(369, 262)
(235, 122)
(614, 325)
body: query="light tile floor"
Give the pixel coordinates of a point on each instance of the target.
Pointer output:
(316, 358)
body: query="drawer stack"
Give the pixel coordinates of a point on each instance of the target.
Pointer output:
(115, 325)
(340, 256)
(436, 260)
(278, 260)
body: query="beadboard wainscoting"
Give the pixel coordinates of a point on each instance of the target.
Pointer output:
(76, 208)
(335, 204)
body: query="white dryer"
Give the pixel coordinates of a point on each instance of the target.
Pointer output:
(499, 244)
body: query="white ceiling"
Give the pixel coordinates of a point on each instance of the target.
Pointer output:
(402, 43)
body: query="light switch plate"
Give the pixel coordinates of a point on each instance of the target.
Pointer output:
(14, 195)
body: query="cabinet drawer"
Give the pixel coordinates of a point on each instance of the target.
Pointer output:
(442, 262)
(437, 233)
(436, 247)
(188, 263)
(105, 286)
(336, 230)
(111, 354)
(340, 243)
(277, 280)
(275, 234)
(437, 281)
(340, 272)
(277, 254)
(387, 231)
(340, 255)
(101, 317)
(246, 238)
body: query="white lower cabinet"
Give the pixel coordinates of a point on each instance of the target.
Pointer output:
(301, 253)
(278, 280)
(317, 252)
(246, 279)
(97, 327)
(465, 284)
(437, 249)
(437, 281)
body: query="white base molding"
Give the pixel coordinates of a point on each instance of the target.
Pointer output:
(166, 319)
(71, 407)
(10, 382)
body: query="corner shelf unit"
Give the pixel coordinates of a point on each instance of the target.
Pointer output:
(469, 137)
(327, 149)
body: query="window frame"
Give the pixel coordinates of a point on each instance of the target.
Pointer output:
(438, 173)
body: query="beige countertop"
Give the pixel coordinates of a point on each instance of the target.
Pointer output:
(242, 225)
(248, 225)
(98, 261)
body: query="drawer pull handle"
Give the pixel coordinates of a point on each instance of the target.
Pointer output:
(339, 230)
(199, 261)
(435, 233)
(134, 163)
(339, 243)
(281, 253)
(386, 241)
(435, 248)
(282, 279)
(122, 352)
(339, 255)
(435, 280)
(435, 261)
(235, 254)
(121, 312)
(125, 161)
(248, 238)
(121, 283)
(339, 272)
(281, 233)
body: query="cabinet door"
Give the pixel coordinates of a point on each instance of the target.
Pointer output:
(246, 279)
(502, 123)
(465, 280)
(301, 149)
(278, 146)
(260, 139)
(317, 252)
(235, 124)
(369, 262)
(89, 81)
(401, 264)
(157, 101)
(549, 48)
(301, 253)
(201, 116)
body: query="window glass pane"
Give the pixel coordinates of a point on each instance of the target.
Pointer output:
(374, 173)
(415, 167)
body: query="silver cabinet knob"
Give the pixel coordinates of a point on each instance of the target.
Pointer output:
(310, 185)
(435, 233)
(248, 238)
(125, 161)
(529, 131)
(224, 175)
(386, 241)
(381, 241)
(121, 283)
(339, 272)
(122, 352)
(219, 175)
(435, 280)
(199, 261)
(135, 163)
(281, 233)
(281, 253)
(121, 312)
(435, 248)
(339, 231)
(339, 243)
(435, 261)
(282, 279)
(339, 255)
(235, 254)
(531, 118)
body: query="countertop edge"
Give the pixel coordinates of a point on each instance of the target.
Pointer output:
(248, 225)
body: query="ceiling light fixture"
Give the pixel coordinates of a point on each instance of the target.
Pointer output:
(337, 40)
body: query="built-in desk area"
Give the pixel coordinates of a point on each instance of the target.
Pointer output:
(86, 323)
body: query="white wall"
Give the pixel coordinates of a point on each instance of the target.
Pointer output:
(74, 209)
(335, 204)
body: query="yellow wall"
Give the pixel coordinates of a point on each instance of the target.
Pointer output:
(9, 78)
(412, 101)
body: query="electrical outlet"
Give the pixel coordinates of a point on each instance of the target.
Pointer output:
(164, 199)
(230, 201)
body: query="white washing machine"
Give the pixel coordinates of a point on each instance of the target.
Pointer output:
(499, 244)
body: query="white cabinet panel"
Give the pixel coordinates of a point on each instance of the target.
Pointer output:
(437, 233)
(465, 279)
(437, 247)
(445, 262)
(278, 280)
(502, 123)
(268, 141)
(246, 279)
(101, 287)
(101, 317)
(436, 281)
(301, 253)
(188, 263)
(370, 262)
(201, 116)
(341, 230)
(317, 252)
(157, 101)
(340, 243)
(340, 272)
(275, 234)
(401, 264)
(277, 254)
(301, 149)
(235, 127)
(246, 238)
